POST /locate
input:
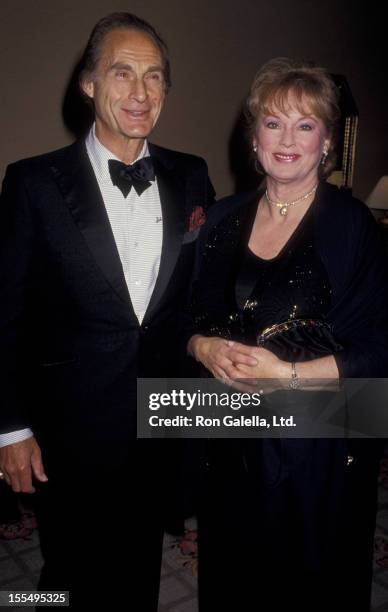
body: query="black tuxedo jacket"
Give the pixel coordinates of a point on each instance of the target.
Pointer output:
(71, 345)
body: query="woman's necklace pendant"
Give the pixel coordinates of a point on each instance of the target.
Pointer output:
(283, 210)
(284, 206)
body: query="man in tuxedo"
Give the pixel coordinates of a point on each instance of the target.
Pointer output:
(97, 244)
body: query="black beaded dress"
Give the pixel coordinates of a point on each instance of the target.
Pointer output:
(292, 286)
(278, 516)
(242, 297)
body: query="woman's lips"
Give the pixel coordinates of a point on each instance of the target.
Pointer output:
(286, 157)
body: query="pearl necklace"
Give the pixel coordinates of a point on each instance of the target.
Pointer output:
(284, 206)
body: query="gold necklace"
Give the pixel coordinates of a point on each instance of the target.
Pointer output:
(284, 206)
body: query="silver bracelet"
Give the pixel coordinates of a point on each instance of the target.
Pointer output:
(294, 382)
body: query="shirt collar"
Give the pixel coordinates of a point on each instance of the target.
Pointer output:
(100, 155)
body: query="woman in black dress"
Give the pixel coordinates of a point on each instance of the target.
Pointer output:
(290, 522)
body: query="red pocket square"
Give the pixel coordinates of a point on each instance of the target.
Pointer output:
(197, 218)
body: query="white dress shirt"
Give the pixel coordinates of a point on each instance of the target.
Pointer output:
(137, 227)
(136, 223)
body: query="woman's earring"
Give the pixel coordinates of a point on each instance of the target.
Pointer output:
(324, 157)
(255, 148)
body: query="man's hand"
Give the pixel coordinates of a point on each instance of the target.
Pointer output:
(19, 462)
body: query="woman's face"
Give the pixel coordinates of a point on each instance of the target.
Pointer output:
(290, 146)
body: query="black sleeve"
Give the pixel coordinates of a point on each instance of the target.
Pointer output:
(17, 238)
(189, 327)
(202, 195)
(358, 271)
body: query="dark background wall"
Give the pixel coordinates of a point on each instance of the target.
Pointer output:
(216, 47)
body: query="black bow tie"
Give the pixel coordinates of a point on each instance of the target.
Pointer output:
(138, 174)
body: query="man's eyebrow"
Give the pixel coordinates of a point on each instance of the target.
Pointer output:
(124, 66)
(120, 66)
(156, 68)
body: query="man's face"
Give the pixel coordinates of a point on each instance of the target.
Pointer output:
(128, 89)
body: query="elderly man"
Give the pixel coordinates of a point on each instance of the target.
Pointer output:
(97, 242)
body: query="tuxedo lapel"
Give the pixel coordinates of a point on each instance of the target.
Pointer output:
(79, 188)
(173, 199)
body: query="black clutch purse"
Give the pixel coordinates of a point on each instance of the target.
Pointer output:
(299, 339)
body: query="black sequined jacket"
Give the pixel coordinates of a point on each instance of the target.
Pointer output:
(349, 248)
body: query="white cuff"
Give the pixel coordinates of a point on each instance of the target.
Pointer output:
(15, 436)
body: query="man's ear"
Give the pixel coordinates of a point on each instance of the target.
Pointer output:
(87, 86)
